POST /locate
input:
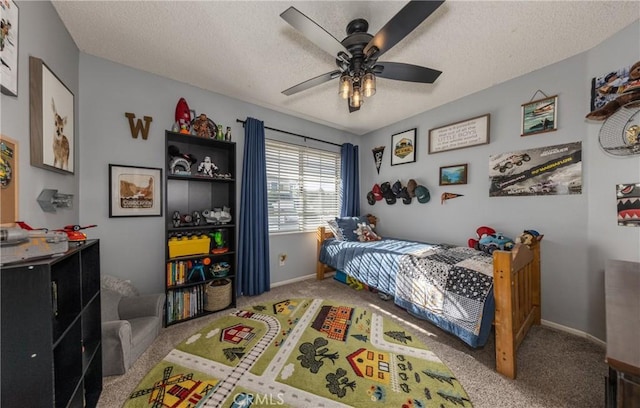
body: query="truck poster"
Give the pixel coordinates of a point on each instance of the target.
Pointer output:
(551, 170)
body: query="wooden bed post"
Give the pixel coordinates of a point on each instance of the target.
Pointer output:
(321, 235)
(516, 289)
(536, 290)
(319, 265)
(502, 285)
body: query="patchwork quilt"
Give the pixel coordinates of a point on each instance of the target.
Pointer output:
(450, 286)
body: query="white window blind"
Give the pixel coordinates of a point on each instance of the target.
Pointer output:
(303, 186)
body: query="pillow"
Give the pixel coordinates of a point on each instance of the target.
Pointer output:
(123, 287)
(349, 225)
(335, 230)
(365, 233)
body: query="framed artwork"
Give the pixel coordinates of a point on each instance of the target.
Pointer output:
(539, 116)
(403, 147)
(9, 47)
(135, 191)
(8, 181)
(466, 133)
(628, 204)
(51, 119)
(452, 175)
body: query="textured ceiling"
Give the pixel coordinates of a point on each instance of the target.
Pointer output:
(243, 49)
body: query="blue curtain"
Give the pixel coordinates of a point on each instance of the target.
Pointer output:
(253, 239)
(350, 181)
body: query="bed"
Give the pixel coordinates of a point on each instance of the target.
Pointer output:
(505, 289)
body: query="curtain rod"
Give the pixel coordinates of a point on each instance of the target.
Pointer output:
(293, 134)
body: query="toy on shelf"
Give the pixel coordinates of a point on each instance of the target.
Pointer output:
(227, 135)
(197, 271)
(223, 175)
(73, 232)
(219, 241)
(186, 220)
(180, 163)
(207, 167)
(528, 237)
(183, 117)
(220, 269)
(217, 215)
(204, 127)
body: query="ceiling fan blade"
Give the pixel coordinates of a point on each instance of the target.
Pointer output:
(406, 72)
(310, 83)
(318, 35)
(400, 25)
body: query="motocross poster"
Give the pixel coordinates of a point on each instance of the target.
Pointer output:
(551, 170)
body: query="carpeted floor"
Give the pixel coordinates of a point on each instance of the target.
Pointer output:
(555, 369)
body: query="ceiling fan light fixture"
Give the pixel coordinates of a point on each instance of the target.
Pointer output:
(346, 86)
(356, 97)
(369, 84)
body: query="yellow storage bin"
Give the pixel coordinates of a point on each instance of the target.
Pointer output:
(186, 246)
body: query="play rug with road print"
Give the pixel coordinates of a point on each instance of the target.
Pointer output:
(301, 353)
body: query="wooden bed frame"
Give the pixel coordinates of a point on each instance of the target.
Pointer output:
(516, 289)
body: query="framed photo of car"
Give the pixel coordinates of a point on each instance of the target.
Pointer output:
(539, 116)
(403, 147)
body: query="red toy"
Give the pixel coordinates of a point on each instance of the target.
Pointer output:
(480, 233)
(183, 116)
(72, 231)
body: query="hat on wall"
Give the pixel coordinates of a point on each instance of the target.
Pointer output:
(377, 192)
(422, 194)
(397, 188)
(370, 198)
(387, 193)
(404, 194)
(411, 187)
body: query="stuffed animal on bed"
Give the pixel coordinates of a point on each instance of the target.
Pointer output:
(480, 233)
(373, 220)
(528, 237)
(365, 233)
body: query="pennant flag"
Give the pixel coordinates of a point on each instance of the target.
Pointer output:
(446, 196)
(377, 156)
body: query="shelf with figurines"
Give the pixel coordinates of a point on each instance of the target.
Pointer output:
(182, 165)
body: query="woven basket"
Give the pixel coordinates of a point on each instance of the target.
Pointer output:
(218, 295)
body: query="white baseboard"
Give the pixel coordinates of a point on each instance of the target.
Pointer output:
(294, 280)
(575, 332)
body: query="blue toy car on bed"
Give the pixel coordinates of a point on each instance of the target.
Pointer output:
(490, 243)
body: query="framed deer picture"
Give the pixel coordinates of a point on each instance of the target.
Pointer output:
(52, 119)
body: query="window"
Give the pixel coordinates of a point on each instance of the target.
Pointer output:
(303, 186)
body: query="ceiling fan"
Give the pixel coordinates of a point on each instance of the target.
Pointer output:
(357, 54)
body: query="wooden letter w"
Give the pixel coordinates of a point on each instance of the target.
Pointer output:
(138, 127)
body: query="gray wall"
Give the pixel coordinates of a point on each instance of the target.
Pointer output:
(580, 230)
(134, 247)
(42, 35)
